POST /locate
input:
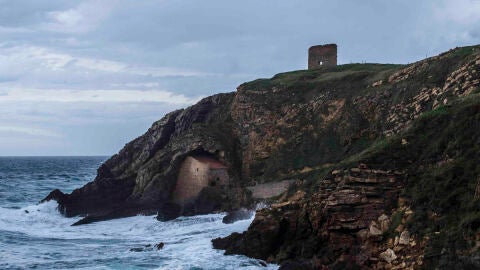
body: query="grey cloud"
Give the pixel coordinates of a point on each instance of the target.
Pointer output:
(205, 46)
(24, 13)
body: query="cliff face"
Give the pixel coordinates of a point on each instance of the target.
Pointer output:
(142, 176)
(409, 200)
(348, 136)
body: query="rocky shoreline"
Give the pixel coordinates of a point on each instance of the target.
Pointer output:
(341, 225)
(378, 163)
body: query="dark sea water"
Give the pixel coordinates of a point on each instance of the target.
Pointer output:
(36, 236)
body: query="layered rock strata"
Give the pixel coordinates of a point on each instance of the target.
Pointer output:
(315, 129)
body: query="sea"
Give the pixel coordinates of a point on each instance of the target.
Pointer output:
(35, 235)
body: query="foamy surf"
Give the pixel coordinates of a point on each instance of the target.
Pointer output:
(38, 236)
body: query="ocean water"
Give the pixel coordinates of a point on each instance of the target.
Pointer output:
(36, 236)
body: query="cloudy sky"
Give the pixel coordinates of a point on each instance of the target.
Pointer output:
(86, 77)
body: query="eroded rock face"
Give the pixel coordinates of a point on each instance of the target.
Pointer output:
(310, 128)
(334, 222)
(283, 129)
(141, 177)
(260, 134)
(354, 215)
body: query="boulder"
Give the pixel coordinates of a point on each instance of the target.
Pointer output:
(384, 222)
(237, 215)
(56, 195)
(160, 245)
(232, 241)
(374, 230)
(404, 238)
(388, 255)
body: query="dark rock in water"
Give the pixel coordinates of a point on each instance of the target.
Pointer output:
(98, 206)
(169, 211)
(87, 220)
(143, 175)
(26, 211)
(137, 249)
(237, 215)
(56, 195)
(159, 245)
(319, 127)
(106, 216)
(232, 242)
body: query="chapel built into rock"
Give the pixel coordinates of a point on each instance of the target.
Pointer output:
(196, 173)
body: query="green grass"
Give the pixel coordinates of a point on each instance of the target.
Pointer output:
(465, 51)
(287, 79)
(441, 159)
(378, 146)
(373, 67)
(442, 110)
(436, 71)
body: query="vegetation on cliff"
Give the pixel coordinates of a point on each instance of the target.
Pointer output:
(441, 153)
(433, 145)
(377, 152)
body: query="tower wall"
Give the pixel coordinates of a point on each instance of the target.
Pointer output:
(322, 56)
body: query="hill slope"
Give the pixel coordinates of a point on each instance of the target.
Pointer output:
(358, 140)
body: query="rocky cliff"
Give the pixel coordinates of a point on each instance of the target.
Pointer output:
(409, 200)
(383, 157)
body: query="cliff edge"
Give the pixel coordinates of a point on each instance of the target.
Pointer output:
(376, 156)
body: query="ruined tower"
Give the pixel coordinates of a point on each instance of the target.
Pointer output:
(322, 56)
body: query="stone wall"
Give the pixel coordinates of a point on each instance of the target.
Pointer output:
(196, 173)
(192, 177)
(269, 190)
(218, 177)
(322, 56)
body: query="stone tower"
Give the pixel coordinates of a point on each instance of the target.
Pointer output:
(322, 56)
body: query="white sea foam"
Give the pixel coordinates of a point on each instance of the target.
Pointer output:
(43, 238)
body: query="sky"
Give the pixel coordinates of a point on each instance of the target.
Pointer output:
(86, 77)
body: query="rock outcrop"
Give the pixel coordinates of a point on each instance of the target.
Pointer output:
(238, 215)
(342, 225)
(380, 161)
(409, 202)
(356, 217)
(142, 176)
